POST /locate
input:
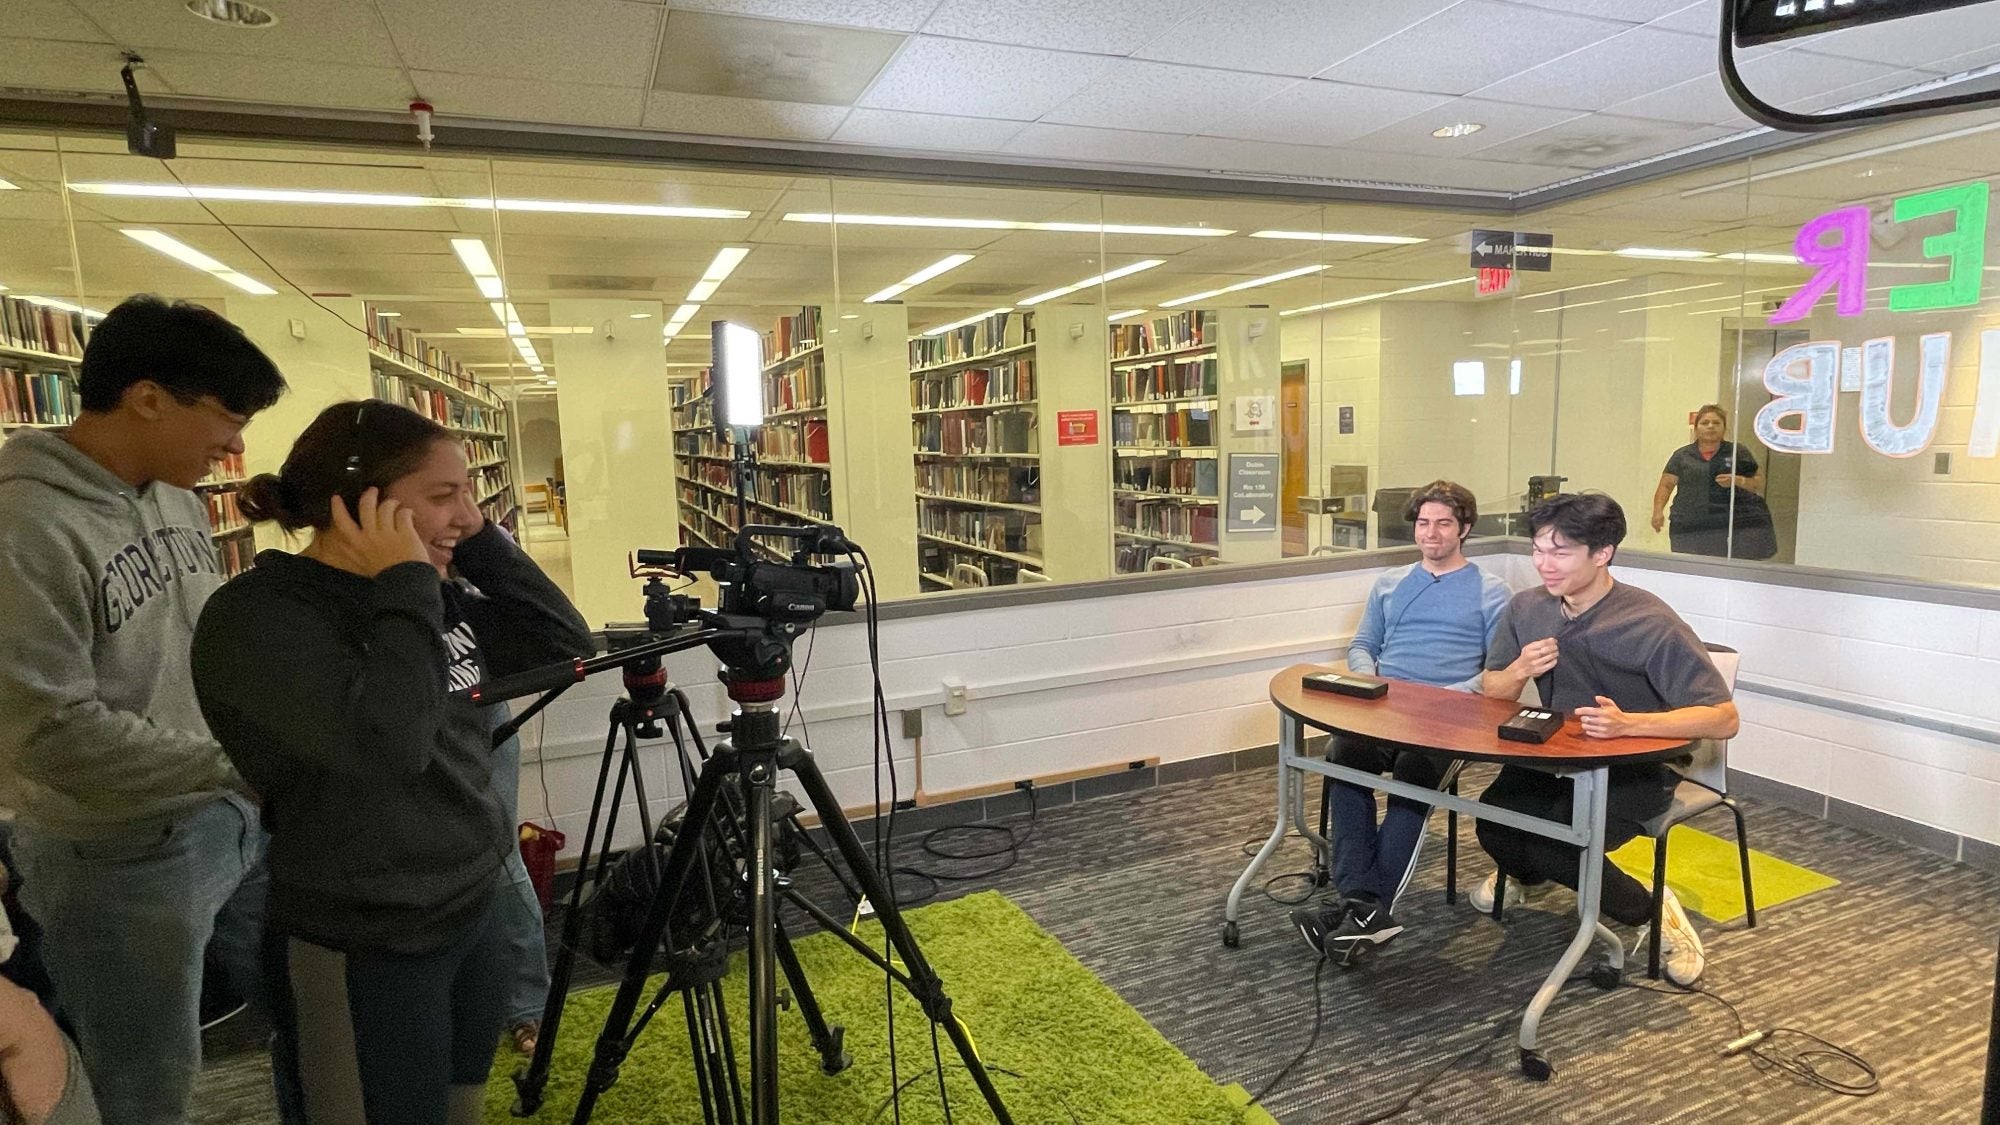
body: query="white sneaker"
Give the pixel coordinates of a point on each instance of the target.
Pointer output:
(1681, 958)
(1481, 896)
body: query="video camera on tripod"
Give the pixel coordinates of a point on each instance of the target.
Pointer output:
(708, 879)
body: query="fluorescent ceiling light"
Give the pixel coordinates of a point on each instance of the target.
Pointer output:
(975, 318)
(384, 199)
(726, 261)
(679, 321)
(5, 186)
(1121, 271)
(385, 312)
(1346, 301)
(1657, 252)
(640, 316)
(528, 354)
(999, 224)
(1738, 183)
(1664, 292)
(1123, 315)
(1456, 129)
(1763, 259)
(1339, 236)
(181, 252)
(1251, 284)
(1574, 288)
(479, 263)
(919, 277)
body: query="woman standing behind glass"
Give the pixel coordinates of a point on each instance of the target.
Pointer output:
(327, 677)
(1699, 477)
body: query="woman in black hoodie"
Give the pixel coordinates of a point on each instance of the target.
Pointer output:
(327, 676)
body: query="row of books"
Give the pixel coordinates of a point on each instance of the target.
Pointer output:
(699, 443)
(940, 565)
(1189, 329)
(387, 337)
(223, 512)
(491, 481)
(699, 526)
(1009, 382)
(802, 440)
(1181, 476)
(236, 554)
(39, 328)
(1189, 523)
(1182, 378)
(711, 473)
(42, 398)
(1167, 429)
(681, 392)
(229, 470)
(792, 335)
(990, 334)
(478, 451)
(1003, 431)
(434, 404)
(1006, 484)
(800, 490)
(1016, 532)
(1135, 555)
(796, 387)
(695, 413)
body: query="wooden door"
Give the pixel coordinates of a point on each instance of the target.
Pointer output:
(1295, 452)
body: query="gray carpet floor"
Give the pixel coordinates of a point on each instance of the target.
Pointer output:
(1896, 963)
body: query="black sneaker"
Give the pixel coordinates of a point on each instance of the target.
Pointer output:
(1314, 923)
(1368, 924)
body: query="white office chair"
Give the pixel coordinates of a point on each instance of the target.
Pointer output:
(1704, 786)
(1168, 562)
(966, 576)
(1030, 577)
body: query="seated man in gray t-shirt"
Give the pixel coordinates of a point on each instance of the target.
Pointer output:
(1627, 665)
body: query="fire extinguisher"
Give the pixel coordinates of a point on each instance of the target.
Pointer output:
(538, 851)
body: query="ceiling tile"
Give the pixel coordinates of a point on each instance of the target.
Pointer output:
(1602, 140)
(1484, 42)
(882, 15)
(1323, 113)
(1917, 41)
(613, 44)
(740, 57)
(1072, 141)
(1625, 66)
(53, 19)
(890, 128)
(346, 33)
(1624, 11)
(526, 99)
(276, 81)
(1164, 98)
(931, 75)
(741, 117)
(1297, 37)
(1503, 122)
(41, 65)
(1109, 29)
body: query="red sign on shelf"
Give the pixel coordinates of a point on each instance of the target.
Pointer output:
(1076, 427)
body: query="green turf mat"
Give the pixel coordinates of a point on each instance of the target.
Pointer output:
(1704, 872)
(1070, 1049)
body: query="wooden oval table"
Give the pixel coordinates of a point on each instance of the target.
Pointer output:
(1463, 726)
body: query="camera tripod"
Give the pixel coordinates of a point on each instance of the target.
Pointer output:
(731, 817)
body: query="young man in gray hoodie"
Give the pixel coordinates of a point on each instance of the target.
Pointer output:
(136, 841)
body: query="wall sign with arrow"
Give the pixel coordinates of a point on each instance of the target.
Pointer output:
(1253, 493)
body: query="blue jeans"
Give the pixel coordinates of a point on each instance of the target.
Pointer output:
(1368, 861)
(520, 916)
(125, 922)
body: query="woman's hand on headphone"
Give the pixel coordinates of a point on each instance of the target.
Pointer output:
(378, 535)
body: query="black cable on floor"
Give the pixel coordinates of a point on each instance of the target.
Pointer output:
(1804, 1064)
(1008, 848)
(1312, 877)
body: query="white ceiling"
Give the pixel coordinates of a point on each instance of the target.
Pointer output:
(1345, 90)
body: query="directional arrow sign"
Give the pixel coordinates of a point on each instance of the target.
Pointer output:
(1492, 249)
(1253, 493)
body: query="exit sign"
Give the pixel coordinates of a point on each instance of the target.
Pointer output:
(1763, 21)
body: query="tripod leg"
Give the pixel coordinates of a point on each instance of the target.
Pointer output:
(530, 1083)
(760, 770)
(612, 1041)
(826, 1040)
(924, 984)
(732, 1083)
(698, 1046)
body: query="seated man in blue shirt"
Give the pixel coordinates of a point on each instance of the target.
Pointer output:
(1428, 622)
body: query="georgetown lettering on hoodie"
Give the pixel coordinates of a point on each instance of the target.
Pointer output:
(101, 585)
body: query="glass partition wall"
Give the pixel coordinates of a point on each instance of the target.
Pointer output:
(994, 386)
